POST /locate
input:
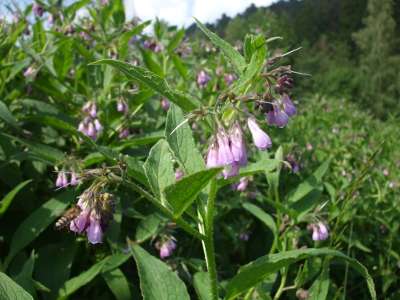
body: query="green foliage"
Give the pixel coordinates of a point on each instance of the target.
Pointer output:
(255, 243)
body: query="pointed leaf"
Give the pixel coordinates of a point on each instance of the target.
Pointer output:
(7, 199)
(231, 53)
(153, 81)
(157, 281)
(180, 139)
(159, 168)
(256, 271)
(181, 194)
(10, 290)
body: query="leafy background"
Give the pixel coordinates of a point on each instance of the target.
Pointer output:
(345, 139)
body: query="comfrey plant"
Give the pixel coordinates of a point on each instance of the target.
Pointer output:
(183, 182)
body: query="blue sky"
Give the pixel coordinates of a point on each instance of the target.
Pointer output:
(180, 12)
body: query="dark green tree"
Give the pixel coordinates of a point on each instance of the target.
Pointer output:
(379, 64)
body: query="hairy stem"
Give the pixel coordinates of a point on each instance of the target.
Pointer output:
(208, 242)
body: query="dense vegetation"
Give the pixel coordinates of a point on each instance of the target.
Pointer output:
(352, 48)
(193, 169)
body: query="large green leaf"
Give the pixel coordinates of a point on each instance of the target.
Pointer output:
(59, 257)
(320, 287)
(231, 53)
(159, 167)
(157, 281)
(202, 285)
(148, 227)
(38, 221)
(75, 283)
(10, 290)
(180, 139)
(253, 273)
(262, 216)
(6, 116)
(106, 265)
(182, 194)
(118, 284)
(7, 199)
(153, 81)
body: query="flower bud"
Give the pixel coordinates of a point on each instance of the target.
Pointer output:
(167, 248)
(165, 104)
(320, 232)
(260, 138)
(37, 10)
(122, 106)
(202, 79)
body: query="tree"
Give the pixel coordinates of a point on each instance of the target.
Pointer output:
(378, 65)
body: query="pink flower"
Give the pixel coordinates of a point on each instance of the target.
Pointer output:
(167, 248)
(320, 232)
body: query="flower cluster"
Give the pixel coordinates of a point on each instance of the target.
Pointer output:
(202, 79)
(153, 45)
(90, 126)
(123, 108)
(37, 9)
(63, 181)
(167, 248)
(96, 210)
(319, 231)
(228, 149)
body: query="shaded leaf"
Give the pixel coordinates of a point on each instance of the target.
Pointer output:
(157, 281)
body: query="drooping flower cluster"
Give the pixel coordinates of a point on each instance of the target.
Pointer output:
(63, 181)
(319, 231)
(167, 248)
(280, 110)
(96, 210)
(153, 45)
(90, 126)
(228, 150)
(203, 78)
(37, 9)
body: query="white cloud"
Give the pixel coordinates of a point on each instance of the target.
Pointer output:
(180, 12)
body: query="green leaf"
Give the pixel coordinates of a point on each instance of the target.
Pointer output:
(10, 290)
(6, 115)
(176, 40)
(159, 168)
(273, 177)
(38, 221)
(24, 278)
(256, 271)
(153, 81)
(180, 139)
(106, 265)
(234, 57)
(262, 216)
(75, 283)
(148, 227)
(118, 284)
(157, 281)
(253, 69)
(7, 199)
(320, 287)
(181, 194)
(310, 184)
(202, 286)
(60, 257)
(125, 37)
(44, 152)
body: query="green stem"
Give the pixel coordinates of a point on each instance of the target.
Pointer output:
(179, 221)
(208, 242)
(282, 285)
